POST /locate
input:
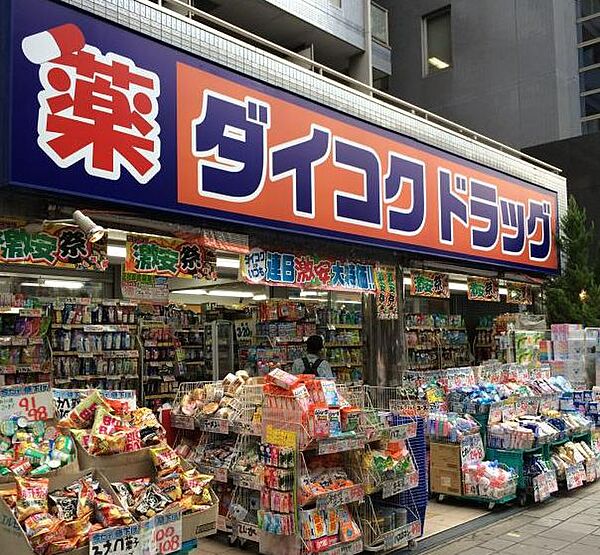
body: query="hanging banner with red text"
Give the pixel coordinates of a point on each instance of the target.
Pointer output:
(306, 271)
(483, 289)
(387, 293)
(429, 284)
(519, 293)
(169, 257)
(56, 246)
(144, 288)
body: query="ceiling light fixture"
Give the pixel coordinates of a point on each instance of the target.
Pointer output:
(231, 293)
(308, 299)
(55, 283)
(190, 292)
(223, 262)
(313, 293)
(437, 63)
(116, 251)
(259, 297)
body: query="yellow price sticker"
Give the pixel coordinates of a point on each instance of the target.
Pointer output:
(280, 437)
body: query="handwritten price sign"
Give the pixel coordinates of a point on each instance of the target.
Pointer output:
(32, 401)
(167, 533)
(393, 487)
(161, 534)
(124, 540)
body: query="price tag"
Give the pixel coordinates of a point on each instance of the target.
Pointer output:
(509, 411)
(183, 422)
(575, 476)
(32, 401)
(248, 481)
(393, 487)
(346, 549)
(403, 431)
(95, 328)
(246, 531)
(167, 533)
(8, 369)
(333, 445)
(124, 540)
(340, 497)
(495, 416)
(215, 425)
(590, 471)
(280, 437)
(522, 407)
(471, 449)
(401, 536)
(221, 475)
(65, 400)
(30, 312)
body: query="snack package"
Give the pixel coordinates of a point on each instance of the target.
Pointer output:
(32, 497)
(109, 514)
(283, 379)
(330, 393)
(82, 416)
(106, 423)
(195, 482)
(348, 529)
(335, 422)
(107, 444)
(165, 460)
(350, 419)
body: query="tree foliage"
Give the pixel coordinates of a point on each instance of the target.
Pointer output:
(574, 296)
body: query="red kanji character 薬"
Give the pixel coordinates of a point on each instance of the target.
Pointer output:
(95, 107)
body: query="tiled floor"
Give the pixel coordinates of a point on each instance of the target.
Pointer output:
(442, 516)
(569, 525)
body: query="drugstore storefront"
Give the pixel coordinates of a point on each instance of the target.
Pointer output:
(271, 195)
(100, 118)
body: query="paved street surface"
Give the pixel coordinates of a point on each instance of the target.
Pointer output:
(568, 525)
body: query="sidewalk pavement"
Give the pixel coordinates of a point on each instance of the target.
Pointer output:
(569, 524)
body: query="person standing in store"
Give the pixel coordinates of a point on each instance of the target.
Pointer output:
(313, 362)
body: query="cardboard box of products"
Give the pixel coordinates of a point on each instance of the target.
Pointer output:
(447, 481)
(117, 467)
(11, 533)
(444, 456)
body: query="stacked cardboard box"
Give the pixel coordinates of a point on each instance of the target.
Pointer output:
(569, 348)
(445, 464)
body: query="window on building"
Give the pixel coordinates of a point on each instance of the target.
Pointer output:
(336, 3)
(588, 7)
(590, 105)
(437, 41)
(589, 55)
(592, 126)
(379, 24)
(589, 80)
(589, 29)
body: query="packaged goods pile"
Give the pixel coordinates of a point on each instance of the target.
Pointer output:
(34, 448)
(523, 433)
(299, 457)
